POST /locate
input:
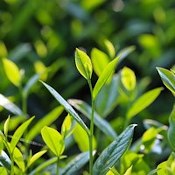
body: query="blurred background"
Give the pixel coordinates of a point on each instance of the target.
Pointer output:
(41, 36)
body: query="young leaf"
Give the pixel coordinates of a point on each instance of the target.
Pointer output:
(12, 72)
(107, 72)
(76, 164)
(143, 101)
(53, 140)
(18, 158)
(102, 124)
(35, 157)
(99, 60)
(18, 133)
(128, 78)
(168, 78)
(83, 64)
(128, 171)
(45, 120)
(82, 138)
(66, 126)
(110, 48)
(171, 129)
(66, 105)
(7, 104)
(113, 152)
(6, 126)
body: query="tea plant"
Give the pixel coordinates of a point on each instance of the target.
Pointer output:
(97, 139)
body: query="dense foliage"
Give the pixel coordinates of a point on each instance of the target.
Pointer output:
(109, 65)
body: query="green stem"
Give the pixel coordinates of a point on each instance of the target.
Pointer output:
(91, 131)
(57, 171)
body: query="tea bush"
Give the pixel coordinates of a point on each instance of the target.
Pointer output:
(90, 127)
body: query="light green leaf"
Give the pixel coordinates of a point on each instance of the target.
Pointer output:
(6, 126)
(128, 78)
(99, 60)
(171, 129)
(102, 124)
(35, 157)
(66, 126)
(107, 72)
(83, 64)
(168, 78)
(7, 104)
(18, 158)
(113, 152)
(53, 140)
(76, 164)
(110, 48)
(143, 101)
(45, 120)
(66, 105)
(82, 138)
(12, 71)
(18, 133)
(128, 171)
(3, 171)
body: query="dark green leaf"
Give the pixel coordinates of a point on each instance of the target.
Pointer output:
(113, 152)
(66, 105)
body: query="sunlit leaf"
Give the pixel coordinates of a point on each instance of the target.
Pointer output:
(113, 152)
(18, 158)
(6, 126)
(18, 133)
(128, 78)
(66, 126)
(53, 140)
(83, 64)
(128, 171)
(45, 120)
(107, 72)
(35, 157)
(7, 104)
(168, 78)
(41, 70)
(143, 101)
(102, 124)
(110, 48)
(3, 50)
(12, 72)
(66, 105)
(82, 138)
(99, 60)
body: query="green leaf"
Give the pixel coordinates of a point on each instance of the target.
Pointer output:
(107, 72)
(7, 104)
(83, 64)
(18, 133)
(76, 164)
(66, 105)
(110, 48)
(6, 126)
(12, 71)
(113, 152)
(168, 78)
(53, 140)
(18, 158)
(82, 138)
(125, 52)
(66, 126)
(171, 129)
(35, 157)
(45, 120)
(3, 171)
(102, 124)
(128, 78)
(143, 101)
(128, 171)
(99, 60)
